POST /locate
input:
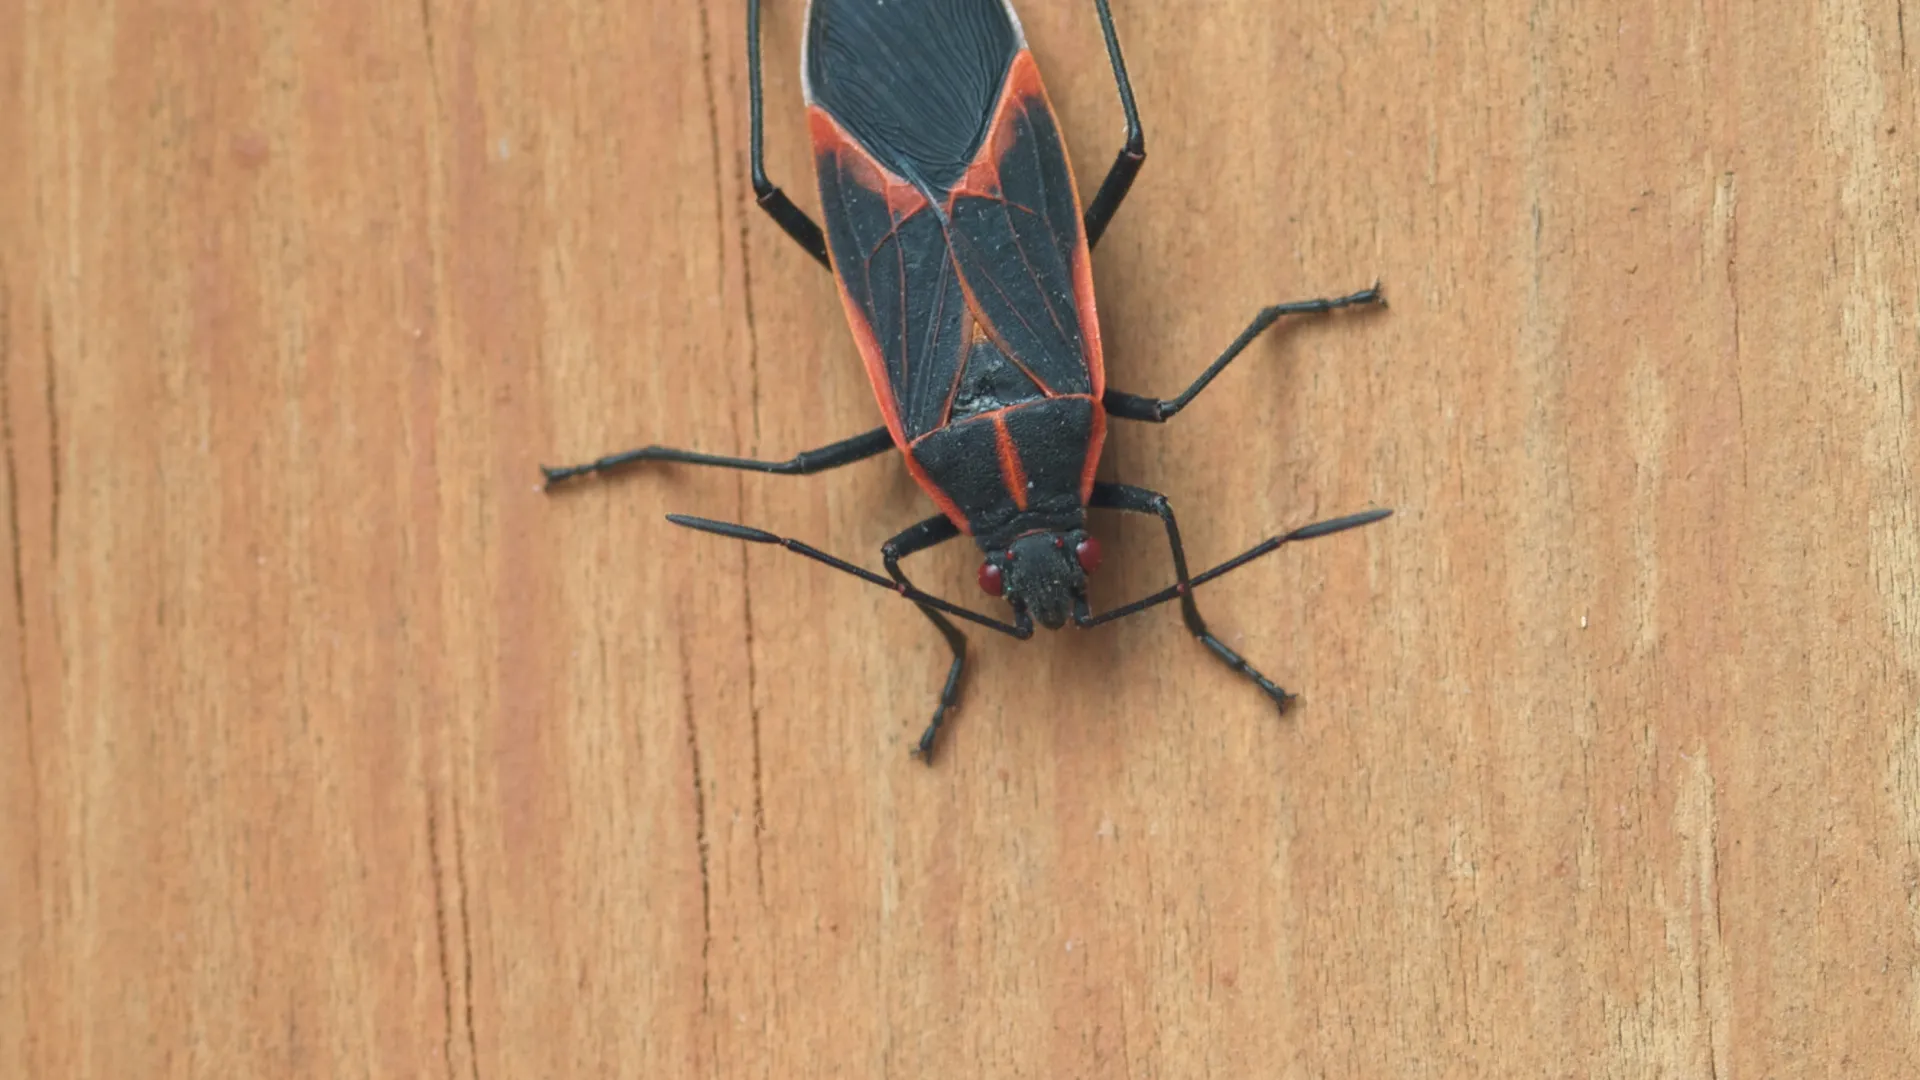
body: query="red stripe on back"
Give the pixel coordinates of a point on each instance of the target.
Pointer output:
(1012, 474)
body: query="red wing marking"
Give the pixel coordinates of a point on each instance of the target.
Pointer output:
(1023, 83)
(903, 199)
(982, 178)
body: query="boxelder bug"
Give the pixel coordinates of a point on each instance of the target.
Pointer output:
(956, 235)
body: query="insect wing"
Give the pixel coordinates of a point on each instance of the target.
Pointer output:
(897, 280)
(952, 218)
(1017, 238)
(912, 81)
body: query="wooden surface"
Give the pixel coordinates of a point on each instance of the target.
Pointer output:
(332, 747)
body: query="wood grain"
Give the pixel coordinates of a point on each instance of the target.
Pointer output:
(329, 746)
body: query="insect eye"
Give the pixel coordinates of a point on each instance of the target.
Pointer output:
(991, 580)
(1088, 552)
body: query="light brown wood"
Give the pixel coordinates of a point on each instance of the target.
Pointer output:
(329, 746)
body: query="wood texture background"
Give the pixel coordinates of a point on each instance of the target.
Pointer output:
(332, 747)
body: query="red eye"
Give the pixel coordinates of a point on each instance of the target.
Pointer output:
(991, 581)
(1088, 552)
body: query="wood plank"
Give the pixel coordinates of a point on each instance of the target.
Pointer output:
(330, 746)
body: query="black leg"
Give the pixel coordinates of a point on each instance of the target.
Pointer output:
(1141, 501)
(1113, 190)
(1157, 410)
(861, 446)
(1021, 627)
(774, 201)
(934, 530)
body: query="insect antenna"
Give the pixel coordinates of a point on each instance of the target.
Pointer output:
(1022, 630)
(1305, 532)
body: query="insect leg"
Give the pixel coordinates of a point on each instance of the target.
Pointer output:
(1126, 165)
(1157, 410)
(1021, 627)
(1141, 501)
(934, 530)
(790, 218)
(846, 451)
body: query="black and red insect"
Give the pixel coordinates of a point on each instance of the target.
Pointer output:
(958, 240)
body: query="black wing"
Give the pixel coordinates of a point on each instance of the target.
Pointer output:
(914, 81)
(950, 209)
(1016, 235)
(897, 278)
